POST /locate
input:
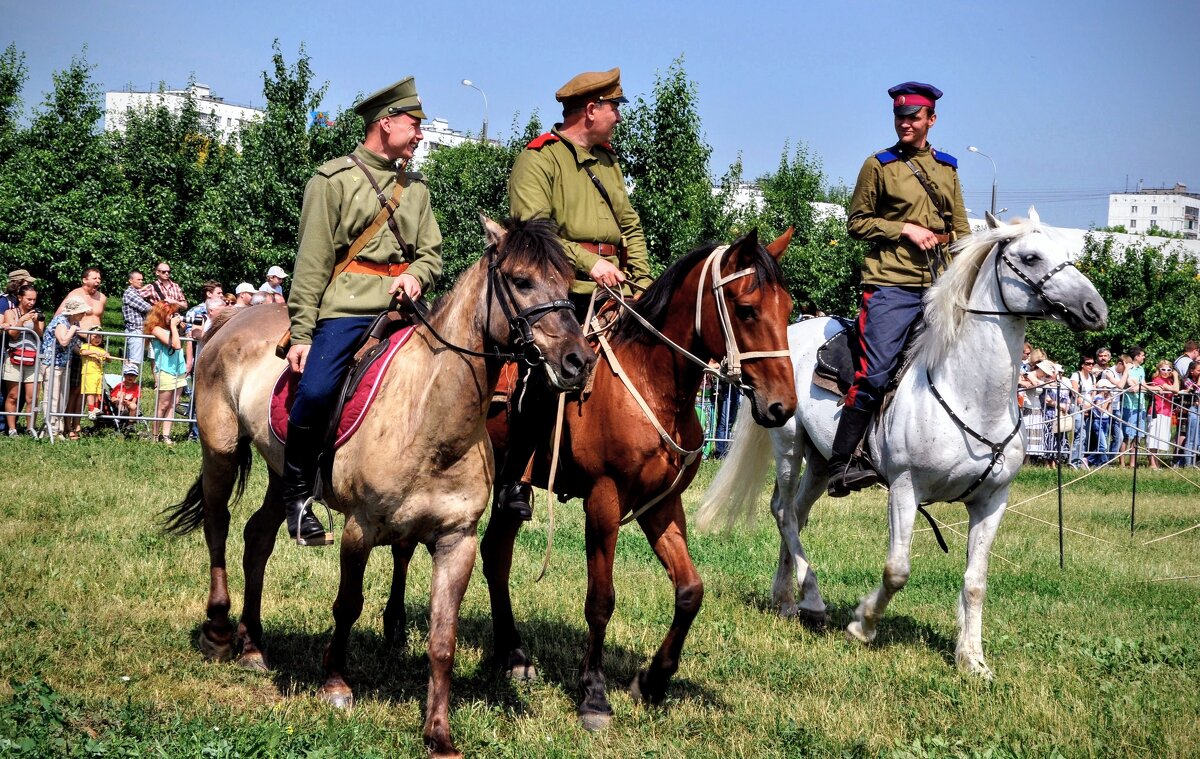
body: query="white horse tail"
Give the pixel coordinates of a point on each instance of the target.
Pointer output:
(733, 494)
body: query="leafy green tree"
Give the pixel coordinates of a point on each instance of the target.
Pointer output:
(665, 158)
(13, 73)
(64, 203)
(464, 181)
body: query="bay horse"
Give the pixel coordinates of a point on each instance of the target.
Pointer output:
(951, 432)
(418, 471)
(726, 302)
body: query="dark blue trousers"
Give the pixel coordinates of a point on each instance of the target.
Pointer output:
(885, 321)
(333, 346)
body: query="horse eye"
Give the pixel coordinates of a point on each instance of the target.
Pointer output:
(1029, 259)
(521, 283)
(745, 313)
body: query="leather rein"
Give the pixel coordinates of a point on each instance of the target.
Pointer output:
(520, 322)
(729, 371)
(996, 463)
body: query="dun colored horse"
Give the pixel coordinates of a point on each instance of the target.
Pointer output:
(632, 447)
(950, 433)
(418, 471)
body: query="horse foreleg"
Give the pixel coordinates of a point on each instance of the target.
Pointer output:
(603, 514)
(496, 550)
(984, 523)
(666, 529)
(259, 535)
(453, 559)
(791, 504)
(346, 609)
(395, 617)
(217, 476)
(902, 510)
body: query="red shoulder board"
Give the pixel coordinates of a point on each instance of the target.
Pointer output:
(541, 141)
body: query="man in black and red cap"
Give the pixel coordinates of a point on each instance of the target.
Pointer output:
(908, 205)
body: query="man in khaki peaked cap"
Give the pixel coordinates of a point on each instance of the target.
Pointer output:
(571, 176)
(329, 313)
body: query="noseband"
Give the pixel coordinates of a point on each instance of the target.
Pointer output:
(732, 364)
(1053, 307)
(520, 323)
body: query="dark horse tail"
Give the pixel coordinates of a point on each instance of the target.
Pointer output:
(185, 516)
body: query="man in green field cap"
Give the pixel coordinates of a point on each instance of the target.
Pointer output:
(571, 176)
(329, 313)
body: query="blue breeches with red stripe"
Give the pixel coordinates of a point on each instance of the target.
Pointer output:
(886, 320)
(333, 345)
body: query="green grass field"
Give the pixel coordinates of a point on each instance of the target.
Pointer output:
(101, 613)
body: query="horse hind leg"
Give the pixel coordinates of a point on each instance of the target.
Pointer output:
(985, 520)
(395, 617)
(665, 529)
(791, 504)
(902, 510)
(347, 607)
(496, 551)
(259, 536)
(219, 474)
(453, 560)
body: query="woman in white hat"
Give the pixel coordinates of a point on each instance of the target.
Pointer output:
(60, 343)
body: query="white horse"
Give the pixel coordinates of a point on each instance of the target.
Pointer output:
(949, 434)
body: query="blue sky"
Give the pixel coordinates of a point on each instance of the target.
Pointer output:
(1072, 100)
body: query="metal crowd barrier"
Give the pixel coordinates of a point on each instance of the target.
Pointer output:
(55, 403)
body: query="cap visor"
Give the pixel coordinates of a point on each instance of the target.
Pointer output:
(906, 110)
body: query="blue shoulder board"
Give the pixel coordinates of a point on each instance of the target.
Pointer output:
(945, 158)
(886, 156)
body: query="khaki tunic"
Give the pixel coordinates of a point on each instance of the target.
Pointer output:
(339, 204)
(549, 181)
(885, 197)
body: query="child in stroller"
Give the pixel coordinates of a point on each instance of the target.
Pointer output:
(122, 399)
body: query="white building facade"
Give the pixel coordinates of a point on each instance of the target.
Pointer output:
(227, 118)
(1172, 210)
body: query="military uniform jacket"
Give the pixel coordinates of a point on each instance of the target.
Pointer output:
(887, 195)
(339, 204)
(549, 181)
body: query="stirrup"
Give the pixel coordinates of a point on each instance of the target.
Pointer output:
(326, 536)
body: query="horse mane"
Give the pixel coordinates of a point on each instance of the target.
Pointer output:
(654, 304)
(947, 299)
(534, 242)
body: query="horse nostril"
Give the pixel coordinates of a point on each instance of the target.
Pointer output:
(573, 365)
(777, 412)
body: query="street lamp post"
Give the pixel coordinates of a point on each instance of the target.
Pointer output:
(469, 83)
(974, 149)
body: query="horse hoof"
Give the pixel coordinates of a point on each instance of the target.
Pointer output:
(253, 662)
(855, 633)
(213, 651)
(338, 699)
(595, 721)
(816, 621)
(522, 672)
(975, 666)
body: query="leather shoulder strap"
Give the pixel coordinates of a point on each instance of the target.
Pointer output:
(384, 216)
(383, 200)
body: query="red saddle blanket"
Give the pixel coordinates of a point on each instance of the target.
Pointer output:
(356, 405)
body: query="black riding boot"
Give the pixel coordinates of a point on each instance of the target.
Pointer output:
(516, 499)
(846, 471)
(299, 476)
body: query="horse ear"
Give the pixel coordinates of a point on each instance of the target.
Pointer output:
(746, 242)
(1033, 216)
(492, 232)
(992, 221)
(780, 244)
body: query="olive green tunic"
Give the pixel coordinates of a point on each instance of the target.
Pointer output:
(339, 204)
(886, 196)
(549, 181)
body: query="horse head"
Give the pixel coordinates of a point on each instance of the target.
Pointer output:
(528, 312)
(1037, 278)
(748, 325)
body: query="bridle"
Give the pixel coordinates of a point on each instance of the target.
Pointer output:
(1053, 307)
(730, 368)
(522, 347)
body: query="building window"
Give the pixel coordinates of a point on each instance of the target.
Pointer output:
(1153, 224)
(1153, 210)
(1133, 223)
(1133, 209)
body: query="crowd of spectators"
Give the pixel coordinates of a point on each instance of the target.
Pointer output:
(1109, 410)
(59, 363)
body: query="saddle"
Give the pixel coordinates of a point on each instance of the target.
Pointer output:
(835, 362)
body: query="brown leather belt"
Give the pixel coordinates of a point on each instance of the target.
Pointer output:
(942, 239)
(359, 266)
(601, 248)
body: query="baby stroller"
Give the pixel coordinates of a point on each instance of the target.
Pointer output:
(111, 414)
